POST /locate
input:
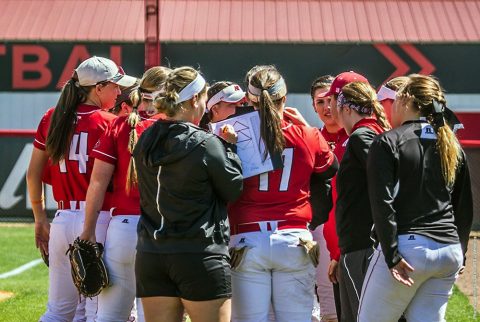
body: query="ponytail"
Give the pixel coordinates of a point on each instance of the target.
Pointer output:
(167, 102)
(380, 115)
(270, 125)
(450, 153)
(428, 98)
(132, 120)
(153, 80)
(447, 143)
(64, 118)
(361, 97)
(266, 89)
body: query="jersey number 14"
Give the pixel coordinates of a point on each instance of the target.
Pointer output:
(78, 152)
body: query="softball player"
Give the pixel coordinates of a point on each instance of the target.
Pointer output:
(325, 235)
(359, 112)
(422, 207)
(114, 162)
(271, 215)
(223, 99)
(64, 139)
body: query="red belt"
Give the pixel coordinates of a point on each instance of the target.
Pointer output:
(69, 205)
(255, 226)
(122, 211)
(72, 205)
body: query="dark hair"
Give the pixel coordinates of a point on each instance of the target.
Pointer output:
(253, 70)
(270, 120)
(124, 97)
(321, 82)
(64, 118)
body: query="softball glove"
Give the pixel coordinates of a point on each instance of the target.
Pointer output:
(88, 270)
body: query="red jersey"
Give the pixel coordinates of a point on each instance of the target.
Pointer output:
(113, 148)
(338, 143)
(71, 176)
(284, 194)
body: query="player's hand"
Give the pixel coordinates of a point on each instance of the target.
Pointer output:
(400, 272)
(42, 235)
(227, 132)
(333, 271)
(293, 115)
(85, 235)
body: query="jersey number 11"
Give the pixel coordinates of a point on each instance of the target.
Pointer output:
(287, 157)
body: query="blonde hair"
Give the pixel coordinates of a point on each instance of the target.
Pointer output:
(179, 78)
(153, 80)
(423, 92)
(270, 119)
(363, 95)
(397, 82)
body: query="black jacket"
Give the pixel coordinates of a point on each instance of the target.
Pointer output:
(186, 175)
(353, 214)
(408, 193)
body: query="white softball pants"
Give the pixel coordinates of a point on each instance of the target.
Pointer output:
(275, 271)
(324, 286)
(115, 302)
(62, 294)
(436, 269)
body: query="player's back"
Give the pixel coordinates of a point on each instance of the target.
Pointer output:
(285, 192)
(113, 149)
(71, 176)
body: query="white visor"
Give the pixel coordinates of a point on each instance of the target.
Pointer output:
(150, 96)
(191, 89)
(230, 94)
(386, 93)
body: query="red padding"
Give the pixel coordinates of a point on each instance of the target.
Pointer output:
(17, 133)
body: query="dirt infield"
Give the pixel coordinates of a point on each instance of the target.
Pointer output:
(466, 282)
(15, 224)
(5, 295)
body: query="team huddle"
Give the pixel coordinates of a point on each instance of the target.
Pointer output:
(368, 218)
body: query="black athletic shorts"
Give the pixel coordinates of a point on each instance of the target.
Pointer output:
(190, 276)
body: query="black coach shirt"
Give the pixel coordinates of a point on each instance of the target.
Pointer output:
(353, 215)
(408, 193)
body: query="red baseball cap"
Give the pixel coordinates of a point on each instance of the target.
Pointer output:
(342, 80)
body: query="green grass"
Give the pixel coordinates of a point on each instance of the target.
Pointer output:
(17, 247)
(459, 308)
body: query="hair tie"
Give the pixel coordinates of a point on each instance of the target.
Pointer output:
(343, 101)
(437, 115)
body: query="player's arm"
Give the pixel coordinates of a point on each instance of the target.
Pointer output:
(37, 164)
(320, 199)
(325, 167)
(101, 175)
(224, 168)
(462, 202)
(382, 180)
